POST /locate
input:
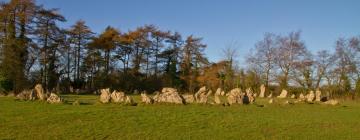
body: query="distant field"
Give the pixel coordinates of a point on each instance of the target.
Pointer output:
(91, 120)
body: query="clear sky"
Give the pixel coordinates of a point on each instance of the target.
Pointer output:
(222, 22)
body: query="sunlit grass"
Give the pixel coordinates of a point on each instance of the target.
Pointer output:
(91, 120)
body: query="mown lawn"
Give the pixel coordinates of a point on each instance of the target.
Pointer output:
(91, 120)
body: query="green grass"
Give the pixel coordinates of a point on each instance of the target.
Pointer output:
(91, 120)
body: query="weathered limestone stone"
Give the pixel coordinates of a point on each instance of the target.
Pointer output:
(310, 97)
(129, 100)
(146, 99)
(235, 97)
(39, 91)
(332, 102)
(270, 95)
(117, 97)
(283, 94)
(292, 96)
(218, 91)
(169, 95)
(54, 99)
(301, 96)
(202, 91)
(262, 91)
(26, 95)
(202, 95)
(249, 91)
(217, 99)
(188, 98)
(318, 95)
(223, 93)
(105, 95)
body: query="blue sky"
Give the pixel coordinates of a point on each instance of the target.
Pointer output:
(222, 22)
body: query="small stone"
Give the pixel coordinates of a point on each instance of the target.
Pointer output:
(188, 98)
(310, 97)
(54, 99)
(271, 101)
(105, 95)
(283, 94)
(332, 102)
(292, 96)
(146, 99)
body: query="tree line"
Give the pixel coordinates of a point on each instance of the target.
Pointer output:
(35, 49)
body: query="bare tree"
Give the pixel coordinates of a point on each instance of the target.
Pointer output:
(264, 56)
(290, 49)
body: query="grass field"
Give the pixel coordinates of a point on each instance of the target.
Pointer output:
(91, 120)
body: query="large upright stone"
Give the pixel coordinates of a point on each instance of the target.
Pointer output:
(105, 95)
(235, 96)
(117, 96)
(318, 95)
(218, 91)
(262, 91)
(202, 95)
(217, 99)
(201, 91)
(310, 97)
(39, 91)
(283, 94)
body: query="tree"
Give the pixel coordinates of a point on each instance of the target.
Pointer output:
(289, 50)
(16, 18)
(192, 59)
(50, 36)
(80, 34)
(323, 61)
(264, 56)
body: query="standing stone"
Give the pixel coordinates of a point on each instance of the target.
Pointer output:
(202, 91)
(218, 91)
(39, 90)
(54, 99)
(217, 99)
(146, 99)
(234, 97)
(129, 100)
(117, 97)
(318, 95)
(203, 99)
(292, 96)
(283, 94)
(105, 95)
(168, 95)
(188, 98)
(26, 95)
(262, 91)
(223, 93)
(310, 97)
(301, 96)
(249, 91)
